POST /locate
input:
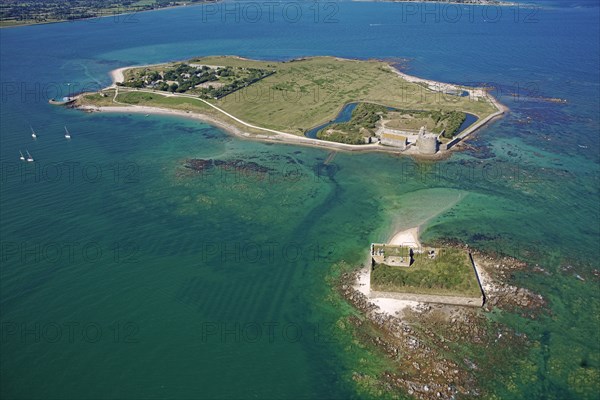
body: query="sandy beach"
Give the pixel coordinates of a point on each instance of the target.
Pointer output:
(132, 109)
(117, 75)
(389, 306)
(441, 86)
(409, 237)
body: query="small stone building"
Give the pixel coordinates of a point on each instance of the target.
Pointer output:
(393, 139)
(392, 255)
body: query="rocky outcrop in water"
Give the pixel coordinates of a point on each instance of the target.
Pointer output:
(201, 165)
(424, 342)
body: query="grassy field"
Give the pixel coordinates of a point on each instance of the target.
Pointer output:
(305, 93)
(158, 100)
(450, 273)
(146, 99)
(433, 121)
(97, 99)
(362, 125)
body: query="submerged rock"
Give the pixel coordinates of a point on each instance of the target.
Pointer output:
(238, 165)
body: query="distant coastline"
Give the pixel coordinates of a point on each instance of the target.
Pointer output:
(13, 23)
(457, 2)
(100, 14)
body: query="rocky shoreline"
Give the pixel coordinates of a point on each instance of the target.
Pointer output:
(424, 343)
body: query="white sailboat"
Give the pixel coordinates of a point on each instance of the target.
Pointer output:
(67, 134)
(33, 135)
(21, 156)
(29, 158)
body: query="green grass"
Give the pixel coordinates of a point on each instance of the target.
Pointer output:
(433, 121)
(146, 99)
(450, 273)
(362, 124)
(157, 100)
(98, 100)
(306, 93)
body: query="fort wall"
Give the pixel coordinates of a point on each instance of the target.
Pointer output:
(430, 298)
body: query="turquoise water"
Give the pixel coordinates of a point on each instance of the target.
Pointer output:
(126, 275)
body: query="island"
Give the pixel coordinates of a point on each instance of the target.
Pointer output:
(418, 304)
(330, 102)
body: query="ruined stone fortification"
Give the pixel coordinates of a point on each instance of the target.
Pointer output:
(430, 298)
(427, 143)
(402, 256)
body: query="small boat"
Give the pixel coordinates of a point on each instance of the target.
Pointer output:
(29, 158)
(33, 135)
(147, 115)
(67, 134)
(21, 156)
